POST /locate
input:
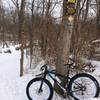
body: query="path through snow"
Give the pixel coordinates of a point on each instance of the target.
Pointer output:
(13, 87)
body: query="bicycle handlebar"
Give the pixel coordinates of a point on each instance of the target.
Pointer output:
(44, 67)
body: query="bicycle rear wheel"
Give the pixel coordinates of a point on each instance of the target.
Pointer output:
(32, 90)
(83, 86)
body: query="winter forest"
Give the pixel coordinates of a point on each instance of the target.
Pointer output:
(52, 32)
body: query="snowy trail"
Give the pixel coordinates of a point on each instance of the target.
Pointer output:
(13, 87)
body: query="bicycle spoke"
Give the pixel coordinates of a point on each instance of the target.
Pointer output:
(83, 87)
(38, 91)
(75, 90)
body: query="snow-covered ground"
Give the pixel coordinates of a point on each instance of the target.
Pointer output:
(13, 87)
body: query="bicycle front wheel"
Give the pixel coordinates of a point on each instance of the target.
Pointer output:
(32, 90)
(83, 86)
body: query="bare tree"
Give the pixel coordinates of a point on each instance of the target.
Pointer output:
(21, 34)
(31, 32)
(87, 9)
(44, 36)
(98, 18)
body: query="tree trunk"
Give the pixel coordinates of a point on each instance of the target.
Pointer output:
(21, 34)
(63, 50)
(21, 62)
(31, 33)
(44, 36)
(98, 18)
(63, 43)
(87, 9)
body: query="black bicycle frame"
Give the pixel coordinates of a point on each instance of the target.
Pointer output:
(67, 78)
(52, 72)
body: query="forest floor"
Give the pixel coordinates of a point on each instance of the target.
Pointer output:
(12, 86)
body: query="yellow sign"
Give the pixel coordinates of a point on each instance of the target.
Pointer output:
(71, 11)
(71, 1)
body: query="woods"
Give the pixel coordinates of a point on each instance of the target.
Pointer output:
(42, 28)
(53, 31)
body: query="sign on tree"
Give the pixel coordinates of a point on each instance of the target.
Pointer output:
(72, 1)
(71, 9)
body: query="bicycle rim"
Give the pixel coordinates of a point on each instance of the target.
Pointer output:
(34, 91)
(83, 88)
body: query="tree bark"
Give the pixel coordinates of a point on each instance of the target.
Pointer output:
(44, 36)
(63, 48)
(31, 33)
(98, 18)
(21, 34)
(63, 43)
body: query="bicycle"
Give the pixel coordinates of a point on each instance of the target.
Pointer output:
(80, 87)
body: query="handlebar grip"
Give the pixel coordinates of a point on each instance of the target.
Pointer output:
(43, 67)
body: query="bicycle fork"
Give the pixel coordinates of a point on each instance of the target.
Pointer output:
(40, 89)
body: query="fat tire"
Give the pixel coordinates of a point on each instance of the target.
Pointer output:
(83, 75)
(36, 80)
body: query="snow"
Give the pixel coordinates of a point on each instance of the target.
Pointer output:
(13, 87)
(96, 41)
